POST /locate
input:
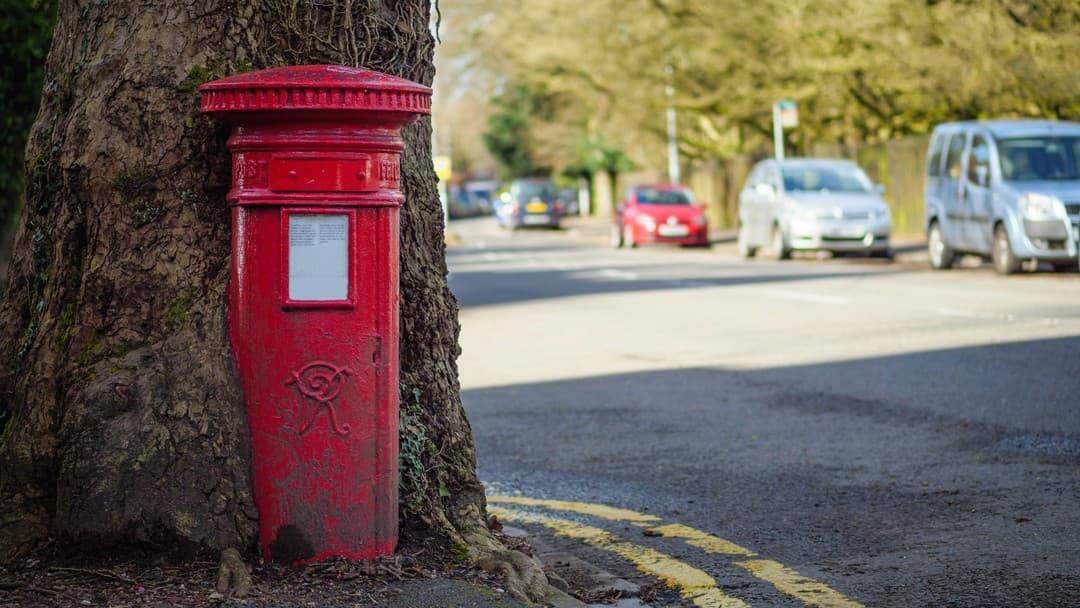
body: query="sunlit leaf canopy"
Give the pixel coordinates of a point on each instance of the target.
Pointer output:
(860, 70)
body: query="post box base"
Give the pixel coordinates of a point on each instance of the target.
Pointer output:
(290, 546)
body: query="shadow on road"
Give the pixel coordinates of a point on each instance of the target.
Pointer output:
(858, 461)
(988, 389)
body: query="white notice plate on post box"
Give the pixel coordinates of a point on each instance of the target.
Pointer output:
(318, 257)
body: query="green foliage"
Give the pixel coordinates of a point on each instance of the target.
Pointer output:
(459, 552)
(138, 192)
(178, 311)
(507, 137)
(214, 69)
(595, 154)
(416, 455)
(197, 75)
(25, 32)
(65, 327)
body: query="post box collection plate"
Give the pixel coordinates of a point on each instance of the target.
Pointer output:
(317, 267)
(313, 299)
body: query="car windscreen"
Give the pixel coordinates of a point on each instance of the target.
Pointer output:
(658, 196)
(821, 178)
(1039, 158)
(530, 190)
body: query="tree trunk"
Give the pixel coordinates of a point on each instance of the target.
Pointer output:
(122, 418)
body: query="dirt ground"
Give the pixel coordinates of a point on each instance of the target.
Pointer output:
(50, 578)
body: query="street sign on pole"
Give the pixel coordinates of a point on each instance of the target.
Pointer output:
(785, 116)
(789, 114)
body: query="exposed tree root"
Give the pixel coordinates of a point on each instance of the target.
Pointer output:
(233, 576)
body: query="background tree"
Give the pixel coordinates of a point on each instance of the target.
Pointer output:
(125, 422)
(508, 138)
(860, 71)
(24, 40)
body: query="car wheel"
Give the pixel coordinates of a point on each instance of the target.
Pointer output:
(1005, 261)
(777, 247)
(616, 236)
(743, 241)
(941, 255)
(628, 236)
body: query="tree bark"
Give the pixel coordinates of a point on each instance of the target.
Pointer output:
(123, 420)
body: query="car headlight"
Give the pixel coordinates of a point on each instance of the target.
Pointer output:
(1037, 206)
(880, 213)
(699, 220)
(647, 222)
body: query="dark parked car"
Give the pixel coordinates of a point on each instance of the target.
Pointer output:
(530, 202)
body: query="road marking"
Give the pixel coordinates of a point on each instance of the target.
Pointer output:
(615, 273)
(691, 583)
(584, 508)
(682, 577)
(952, 312)
(806, 297)
(989, 316)
(790, 582)
(701, 540)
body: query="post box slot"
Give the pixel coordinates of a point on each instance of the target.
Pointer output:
(321, 175)
(318, 257)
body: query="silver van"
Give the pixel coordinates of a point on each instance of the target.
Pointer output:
(1008, 190)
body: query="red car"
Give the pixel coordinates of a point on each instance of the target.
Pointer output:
(660, 213)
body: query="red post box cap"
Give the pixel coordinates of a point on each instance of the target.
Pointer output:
(315, 90)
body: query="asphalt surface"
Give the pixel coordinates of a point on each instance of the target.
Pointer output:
(870, 433)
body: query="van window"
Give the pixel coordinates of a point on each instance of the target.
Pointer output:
(937, 146)
(1040, 158)
(979, 162)
(956, 154)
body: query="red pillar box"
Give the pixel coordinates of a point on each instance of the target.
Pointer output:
(313, 299)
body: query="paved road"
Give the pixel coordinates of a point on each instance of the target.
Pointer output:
(865, 433)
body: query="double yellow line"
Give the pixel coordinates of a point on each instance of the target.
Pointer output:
(690, 582)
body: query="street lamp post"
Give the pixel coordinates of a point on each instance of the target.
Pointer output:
(777, 133)
(673, 143)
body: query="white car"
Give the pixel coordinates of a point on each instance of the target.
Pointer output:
(804, 204)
